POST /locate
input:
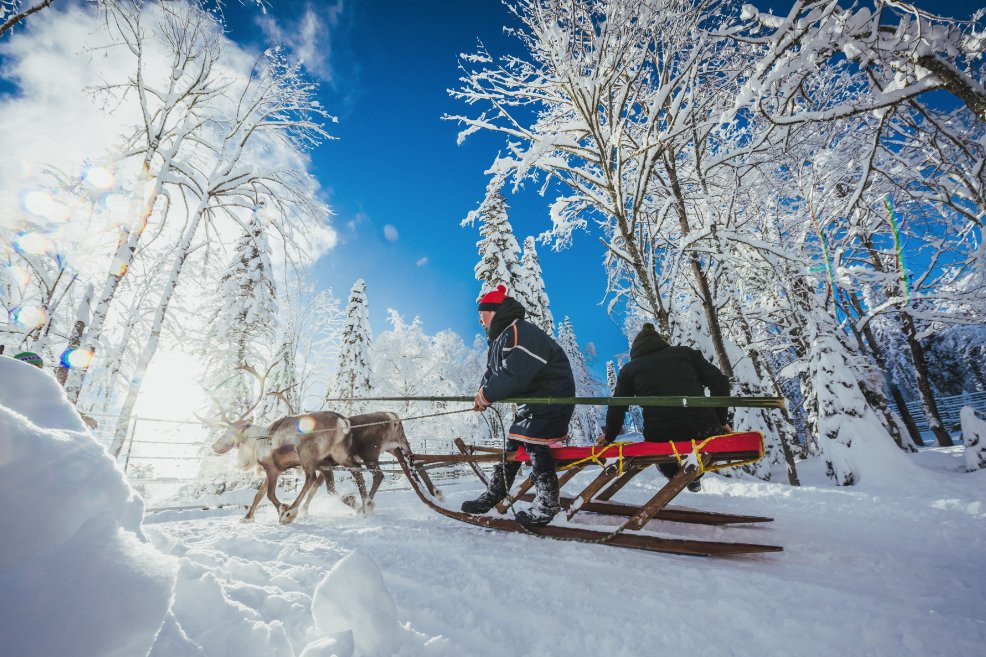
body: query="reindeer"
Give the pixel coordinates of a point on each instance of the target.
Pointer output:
(372, 434)
(304, 441)
(316, 442)
(292, 441)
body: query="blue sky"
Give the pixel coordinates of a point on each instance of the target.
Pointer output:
(396, 163)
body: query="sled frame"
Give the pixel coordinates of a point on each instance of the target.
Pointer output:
(595, 498)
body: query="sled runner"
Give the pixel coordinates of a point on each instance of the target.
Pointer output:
(618, 463)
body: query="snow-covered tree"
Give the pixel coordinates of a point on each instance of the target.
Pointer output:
(354, 371)
(244, 312)
(275, 112)
(974, 438)
(537, 304)
(174, 106)
(585, 424)
(13, 12)
(283, 379)
(905, 51)
(499, 252)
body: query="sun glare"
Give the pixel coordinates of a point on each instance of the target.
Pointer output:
(170, 391)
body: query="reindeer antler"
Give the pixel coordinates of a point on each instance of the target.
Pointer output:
(249, 369)
(280, 395)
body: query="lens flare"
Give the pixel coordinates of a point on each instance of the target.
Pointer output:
(99, 177)
(32, 243)
(37, 202)
(77, 359)
(42, 204)
(119, 267)
(30, 316)
(19, 276)
(306, 424)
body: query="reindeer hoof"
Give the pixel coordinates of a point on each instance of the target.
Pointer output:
(439, 495)
(288, 515)
(350, 501)
(369, 507)
(246, 520)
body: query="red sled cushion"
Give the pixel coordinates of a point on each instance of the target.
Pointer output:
(747, 441)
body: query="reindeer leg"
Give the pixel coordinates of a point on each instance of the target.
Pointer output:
(357, 473)
(330, 481)
(377, 480)
(308, 500)
(256, 501)
(272, 475)
(291, 512)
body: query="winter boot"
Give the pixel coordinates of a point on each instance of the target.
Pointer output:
(545, 504)
(495, 492)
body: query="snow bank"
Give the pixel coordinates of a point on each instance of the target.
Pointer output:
(219, 624)
(974, 438)
(35, 394)
(353, 597)
(73, 560)
(340, 645)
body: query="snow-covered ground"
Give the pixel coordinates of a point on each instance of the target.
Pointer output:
(866, 570)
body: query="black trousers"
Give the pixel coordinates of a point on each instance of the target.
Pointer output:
(541, 461)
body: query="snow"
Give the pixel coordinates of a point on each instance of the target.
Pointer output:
(38, 398)
(353, 598)
(974, 438)
(77, 576)
(885, 567)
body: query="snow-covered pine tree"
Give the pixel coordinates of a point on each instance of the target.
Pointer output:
(538, 306)
(610, 376)
(851, 437)
(499, 252)
(974, 437)
(244, 309)
(585, 425)
(353, 373)
(283, 378)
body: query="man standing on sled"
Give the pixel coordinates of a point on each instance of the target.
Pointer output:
(524, 361)
(658, 369)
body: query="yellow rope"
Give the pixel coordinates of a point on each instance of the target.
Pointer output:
(702, 468)
(595, 457)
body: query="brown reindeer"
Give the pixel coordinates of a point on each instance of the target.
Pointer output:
(372, 435)
(316, 442)
(306, 441)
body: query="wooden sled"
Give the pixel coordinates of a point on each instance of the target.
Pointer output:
(618, 463)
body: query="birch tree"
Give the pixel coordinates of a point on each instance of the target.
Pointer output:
(173, 107)
(274, 110)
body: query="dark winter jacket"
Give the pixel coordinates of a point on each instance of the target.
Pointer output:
(658, 369)
(524, 361)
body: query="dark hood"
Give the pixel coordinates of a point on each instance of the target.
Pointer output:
(647, 341)
(509, 310)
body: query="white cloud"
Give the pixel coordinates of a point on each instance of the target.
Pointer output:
(51, 120)
(390, 232)
(422, 261)
(309, 36)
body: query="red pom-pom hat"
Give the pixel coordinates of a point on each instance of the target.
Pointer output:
(492, 300)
